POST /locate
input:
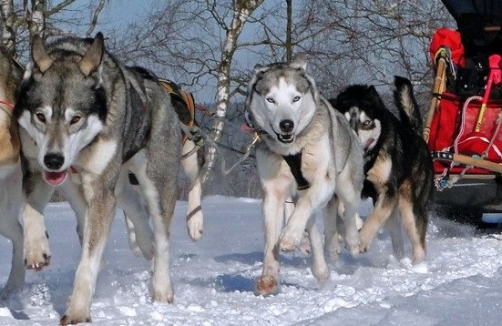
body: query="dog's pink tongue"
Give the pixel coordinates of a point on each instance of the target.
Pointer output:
(54, 178)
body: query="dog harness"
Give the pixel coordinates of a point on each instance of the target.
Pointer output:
(187, 116)
(295, 164)
(294, 161)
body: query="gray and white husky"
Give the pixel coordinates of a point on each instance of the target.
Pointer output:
(37, 254)
(80, 109)
(309, 153)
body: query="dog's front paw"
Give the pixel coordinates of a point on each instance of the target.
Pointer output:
(364, 247)
(37, 254)
(321, 272)
(266, 285)
(418, 255)
(354, 249)
(77, 312)
(195, 225)
(68, 320)
(333, 249)
(304, 246)
(288, 244)
(290, 240)
(364, 241)
(163, 296)
(352, 243)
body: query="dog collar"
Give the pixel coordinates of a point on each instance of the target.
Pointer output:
(295, 164)
(8, 105)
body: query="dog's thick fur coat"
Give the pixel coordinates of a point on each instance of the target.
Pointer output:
(79, 108)
(10, 171)
(398, 165)
(296, 122)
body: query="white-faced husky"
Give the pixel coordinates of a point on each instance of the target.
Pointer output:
(398, 165)
(307, 152)
(80, 109)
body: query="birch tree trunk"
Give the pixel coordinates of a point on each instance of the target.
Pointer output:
(95, 16)
(19, 24)
(37, 21)
(8, 25)
(242, 10)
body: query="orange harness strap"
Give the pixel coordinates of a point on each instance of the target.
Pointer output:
(173, 90)
(188, 97)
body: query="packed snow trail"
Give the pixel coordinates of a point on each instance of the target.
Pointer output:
(460, 282)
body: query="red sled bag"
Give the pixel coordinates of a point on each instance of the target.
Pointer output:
(451, 39)
(478, 141)
(485, 142)
(453, 126)
(444, 125)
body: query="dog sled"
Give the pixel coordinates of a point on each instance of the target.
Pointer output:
(463, 128)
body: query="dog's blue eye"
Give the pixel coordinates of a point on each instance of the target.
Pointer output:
(367, 123)
(41, 117)
(270, 100)
(296, 98)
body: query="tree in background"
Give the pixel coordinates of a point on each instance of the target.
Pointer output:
(194, 42)
(20, 20)
(375, 40)
(210, 47)
(363, 41)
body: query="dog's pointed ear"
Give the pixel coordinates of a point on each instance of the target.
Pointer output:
(374, 94)
(39, 55)
(300, 61)
(92, 58)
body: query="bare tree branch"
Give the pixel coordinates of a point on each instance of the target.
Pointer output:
(95, 16)
(59, 7)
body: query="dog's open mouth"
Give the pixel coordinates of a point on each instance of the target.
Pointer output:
(286, 139)
(54, 178)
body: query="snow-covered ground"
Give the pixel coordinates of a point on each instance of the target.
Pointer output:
(459, 284)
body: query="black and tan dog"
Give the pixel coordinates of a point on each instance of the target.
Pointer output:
(398, 166)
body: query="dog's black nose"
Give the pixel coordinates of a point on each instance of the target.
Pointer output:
(286, 125)
(53, 161)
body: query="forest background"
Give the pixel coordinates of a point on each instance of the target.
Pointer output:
(210, 47)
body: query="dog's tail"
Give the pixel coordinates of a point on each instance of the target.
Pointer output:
(407, 105)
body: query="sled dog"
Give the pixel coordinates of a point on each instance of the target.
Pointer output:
(397, 164)
(37, 253)
(191, 163)
(35, 249)
(80, 109)
(193, 156)
(307, 152)
(10, 171)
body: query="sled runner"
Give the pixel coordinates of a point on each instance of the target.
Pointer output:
(463, 128)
